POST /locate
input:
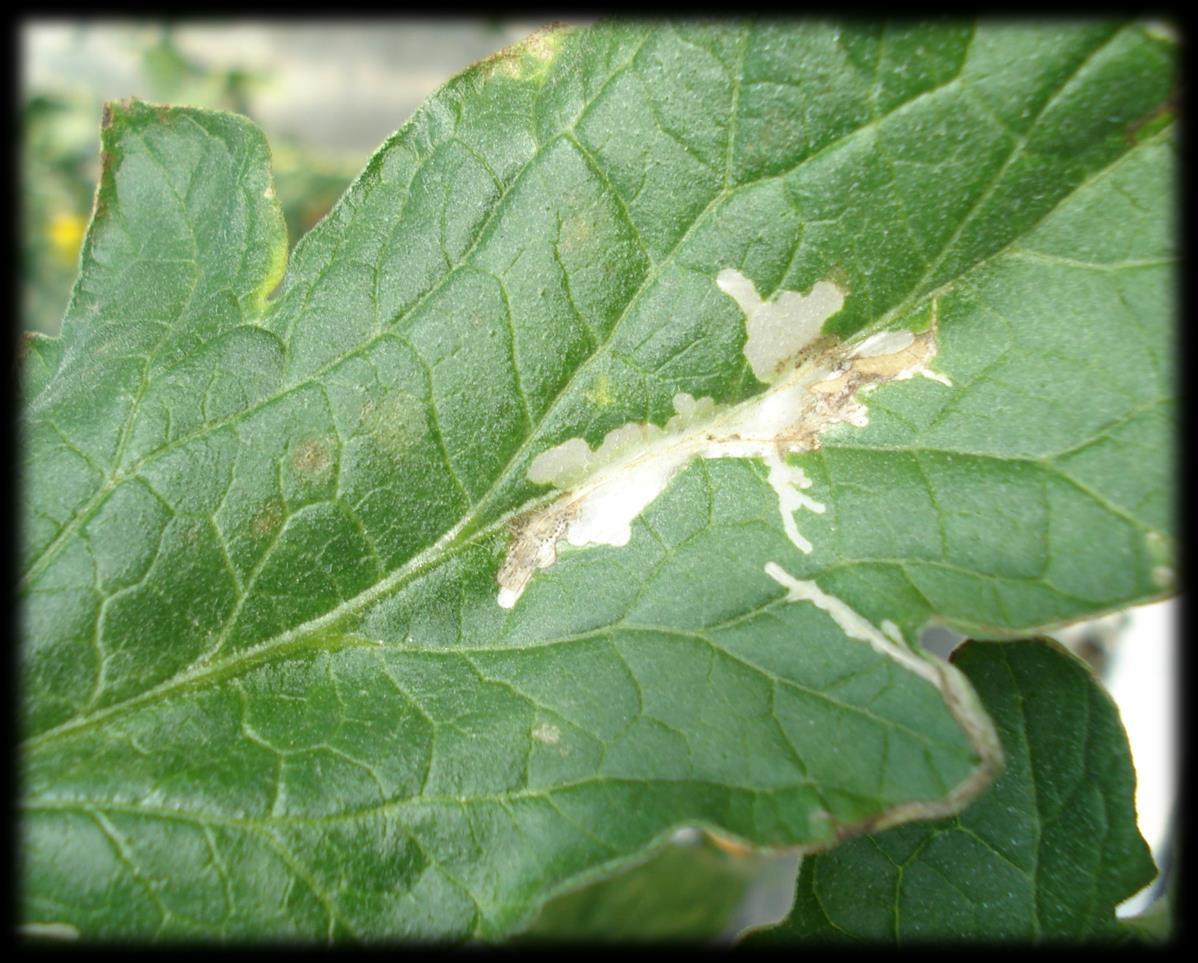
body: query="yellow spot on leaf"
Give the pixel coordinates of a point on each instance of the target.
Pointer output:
(397, 422)
(599, 393)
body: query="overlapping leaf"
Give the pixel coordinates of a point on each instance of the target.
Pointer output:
(267, 689)
(1046, 854)
(687, 891)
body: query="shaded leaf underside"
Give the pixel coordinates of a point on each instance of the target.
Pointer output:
(1046, 854)
(267, 688)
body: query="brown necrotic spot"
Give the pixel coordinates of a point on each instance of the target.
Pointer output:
(312, 457)
(268, 518)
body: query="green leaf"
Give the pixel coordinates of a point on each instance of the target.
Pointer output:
(317, 638)
(1154, 926)
(686, 891)
(1046, 854)
(41, 356)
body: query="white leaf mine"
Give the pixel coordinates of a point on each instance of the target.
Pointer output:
(888, 642)
(813, 382)
(778, 329)
(958, 695)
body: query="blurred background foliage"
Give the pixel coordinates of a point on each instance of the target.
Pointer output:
(697, 888)
(60, 163)
(301, 82)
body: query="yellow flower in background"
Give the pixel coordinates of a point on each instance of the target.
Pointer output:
(66, 234)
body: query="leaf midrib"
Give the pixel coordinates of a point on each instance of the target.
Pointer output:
(39, 563)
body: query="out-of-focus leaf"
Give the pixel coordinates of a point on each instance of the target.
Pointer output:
(686, 891)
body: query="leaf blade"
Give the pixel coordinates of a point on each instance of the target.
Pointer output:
(299, 631)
